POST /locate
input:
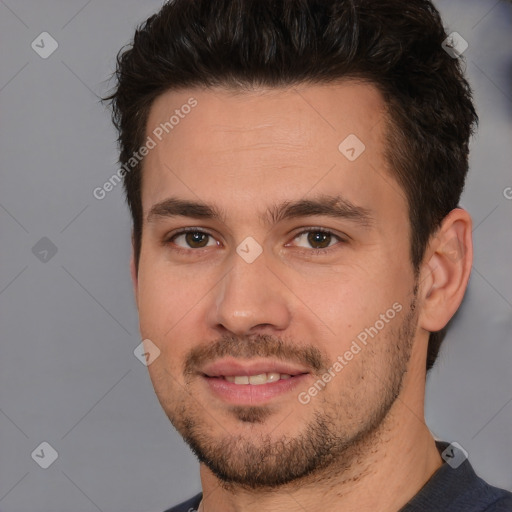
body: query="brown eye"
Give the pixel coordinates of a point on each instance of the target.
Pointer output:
(319, 238)
(196, 239)
(192, 239)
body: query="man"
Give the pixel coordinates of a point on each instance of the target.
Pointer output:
(293, 171)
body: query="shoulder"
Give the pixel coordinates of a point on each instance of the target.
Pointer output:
(456, 487)
(503, 502)
(190, 505)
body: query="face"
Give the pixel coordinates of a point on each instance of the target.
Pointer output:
(274, 276)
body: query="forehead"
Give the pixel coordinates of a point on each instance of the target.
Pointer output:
(217, 144)
(298, 114)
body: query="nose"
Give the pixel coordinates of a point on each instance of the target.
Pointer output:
(249, 299)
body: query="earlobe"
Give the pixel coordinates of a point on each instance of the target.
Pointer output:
(446, 270)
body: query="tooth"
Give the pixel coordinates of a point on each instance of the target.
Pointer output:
(272, 377)
(258, 379)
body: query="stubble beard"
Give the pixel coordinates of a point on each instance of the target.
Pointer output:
(341, 432)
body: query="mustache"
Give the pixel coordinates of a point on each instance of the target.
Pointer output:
(250, 347)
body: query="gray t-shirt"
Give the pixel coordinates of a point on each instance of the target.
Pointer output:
(448, 490)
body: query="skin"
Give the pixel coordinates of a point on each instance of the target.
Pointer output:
(244, 153)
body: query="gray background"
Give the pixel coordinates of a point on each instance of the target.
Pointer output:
(68, 375)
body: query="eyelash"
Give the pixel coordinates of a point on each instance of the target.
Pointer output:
(309, 252)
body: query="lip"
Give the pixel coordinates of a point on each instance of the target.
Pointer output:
(249, 394)
(232, 367)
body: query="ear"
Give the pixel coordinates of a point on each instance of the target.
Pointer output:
(445, 270)
(133, 272)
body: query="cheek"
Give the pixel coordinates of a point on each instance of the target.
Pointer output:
(160, 299)
(169, 306)
(152, 299)
(163, 294)
(346, 306)
(341, 298)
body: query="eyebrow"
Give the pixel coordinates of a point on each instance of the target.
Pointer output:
(325, 205)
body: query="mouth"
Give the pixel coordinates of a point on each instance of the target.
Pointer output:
(252, 382)
(255, 380)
